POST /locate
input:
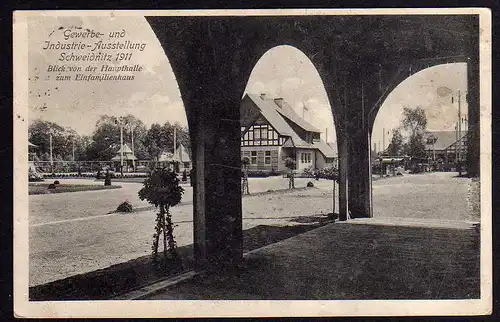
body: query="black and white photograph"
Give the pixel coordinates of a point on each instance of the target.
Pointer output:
(231, 163)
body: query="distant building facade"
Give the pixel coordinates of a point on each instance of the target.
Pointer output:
(128, 156)
(181, 156)
(272, 131)
(446, 146)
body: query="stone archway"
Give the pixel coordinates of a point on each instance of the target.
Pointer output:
(213, 56)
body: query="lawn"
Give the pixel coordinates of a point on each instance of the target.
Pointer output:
(43, 188)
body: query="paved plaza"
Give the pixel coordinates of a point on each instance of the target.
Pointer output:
(73, 233)
(351, 260)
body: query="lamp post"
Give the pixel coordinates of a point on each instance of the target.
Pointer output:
(459, 139)
(73, 147)
(51, 159)
(132, 143)
(121, 149)
(120, 123)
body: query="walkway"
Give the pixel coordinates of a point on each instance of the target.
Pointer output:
(71, 233)
(352, 260)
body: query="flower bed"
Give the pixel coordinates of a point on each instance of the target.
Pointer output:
(43, 188)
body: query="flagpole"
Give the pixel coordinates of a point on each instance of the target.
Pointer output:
(175, 142)
(459, 134)
(50, 146)
(121, 147)
(132, 142)
(383, 140)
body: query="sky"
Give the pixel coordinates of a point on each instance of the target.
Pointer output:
(153, 96)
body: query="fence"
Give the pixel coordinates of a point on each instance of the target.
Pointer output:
(89, 166)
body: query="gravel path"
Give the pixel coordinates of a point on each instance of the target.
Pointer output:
(82, 237)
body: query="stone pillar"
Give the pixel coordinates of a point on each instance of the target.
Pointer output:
(359, 174)
(223, 208)
(211, 69)
(343, 176)
(473, 141)
(218, 237)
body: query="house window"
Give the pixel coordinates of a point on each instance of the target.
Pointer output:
(256, 134)
(267, 159)
(263, 133)
(305, 157)
(253, 159)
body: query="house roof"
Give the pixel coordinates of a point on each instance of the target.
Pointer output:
(443, 139)
(325, 148)
(287, 111)
(126, 149)
(276, 114)
(128, 154)
(322, 146)
(267, 108)
(180, 155)
(166, 156)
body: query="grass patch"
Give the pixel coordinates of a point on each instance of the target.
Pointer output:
(42, 188)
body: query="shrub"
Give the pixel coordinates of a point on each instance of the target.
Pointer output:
(56, 182)
(310, 184)
(290, 164)
(51, 186)
(34, 176)
(274, 172)
(107, 179)
(162, 189)
(245, 161)
(330, 173)
(125, 207)
(309, 172)
(258, 173)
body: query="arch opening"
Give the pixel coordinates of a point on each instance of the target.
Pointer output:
(285, 116)
(80, 130)
(421, 158)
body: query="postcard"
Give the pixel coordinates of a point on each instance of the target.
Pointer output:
(252, 163)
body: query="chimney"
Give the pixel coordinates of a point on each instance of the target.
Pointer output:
(279, 102)
(263, 96)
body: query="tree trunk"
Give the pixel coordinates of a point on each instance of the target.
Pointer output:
(162, 211)
(169, 227)
(156, 240)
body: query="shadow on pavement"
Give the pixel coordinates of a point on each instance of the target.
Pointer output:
(124, 277)
(344, 261)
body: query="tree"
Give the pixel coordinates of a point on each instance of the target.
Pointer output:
(290, 164)
(133, 127)
(162, 189)
(39, 133)
(245, 161)
(396, 144)
(415, 123)
(155, 141)
(106, 137)
(182, 136)
(159, 139)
